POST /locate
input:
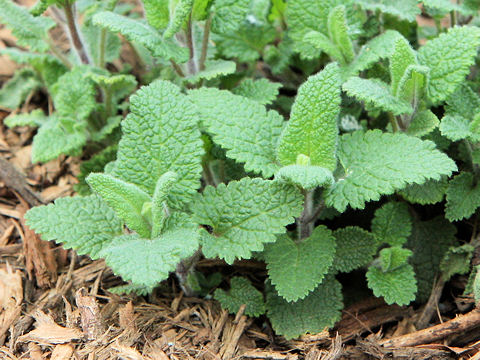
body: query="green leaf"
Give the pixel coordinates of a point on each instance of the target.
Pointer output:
(296, 269)
(30, 31)
(85, 224)
(201, 9)
(15, 91)
(338, 32)
(355, 248)
(229, 15)
(158, 257)
(144, 34)
(244, 215)
(449, 58)
(463, 102)
(476, 284)
(404, 10)
(393, 257)
(429, 242)
(92, 35)
(383, 166)
(131, 289)
(323, 43)
(456, 127)
(125, 199)
(456, 261)
(161, 134)
(241, 292)
(377, 93)
(312, 130)
(431, 192)
(307, 177)
(320, 309)
(242, 126)
(34, 119)
(423, 123)
(403, 56)
(157, 13)
(178, 17)
(213, 69)
(262, 90)
(463, 197)
(443, 6)
(160, 195)
(392, 223)
(413, 84)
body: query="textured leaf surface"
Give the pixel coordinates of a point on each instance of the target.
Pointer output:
(85, 224)
(144, 34)
(456, 261)
(242, 126)
(213, 69)
(403, 56)
(463, 197)
(431, 192)
(262, 90)
(405, 9)
(392, 223)
(161, 134)
(320, 309)
(305, 176)
(296, 269)
(383, 166)
(160, 196)
(229, 15)
(464, 102)
(423, 123)
(244, 215)
(324, 44)
(312, 130)
(376, 93)
(157, 13)
(34, 119)
(95, 164)
(449, 58)
(455, 127)
(355, 248)
(241, 292)
(338, 32)
(392, 258)
(15, 91)
(178, 17)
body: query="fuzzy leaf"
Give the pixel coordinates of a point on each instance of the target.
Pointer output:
(456, 127)
(157, 13)
(213, 69)
(296, 269)
(312, 130)
(338, 32)
(413, 84)
(130, 288)
(464, 102)
(305, 176)
(404, 10)
(179, 16)
(456, 261)
(241, 292)
(463, 197)
(34, 119)
(229, 15)
(161, 134)
(95, 164)
(383, 166)
(403, 56)
(262, 90)
(144, 34)
(376, 93)
(242, 126)
(15, 91)
(393, 257)
(355, 248)
(244, 215)
(320, 309)
(423, 123)
(323, 43)
(85, 224)
(160, 195)
(431, 192)
(392, 223)
(449, 58)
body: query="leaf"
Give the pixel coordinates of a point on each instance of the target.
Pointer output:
(423, 123)
(92, 35)
(160, 195)
(355, 248)
(178, 17)
(320, 309)
(144, 34)
(455, 127)
(34, 119)
(262, 90)
(443, 6)
(296, 269)
(15, 91)
(229, 15)
(213, 69)
(393, 258)
(429, 242)
(130, 288)
(324, 44)
(463, 102)
(463, 197)
(377, 93)
(125, 199)
(242, 126)
(241, 292)
(413, 84)
(392, 223)
(161, 134)
(306, 177)
(449, 58)
(312, 130)
(476, 284)
(244, 215)
(338, 32)
(431, 192)
(383, 166)
(403, 56)
(158, 256)
(30, 31)
(157, 13)
(85, 224)
(456, 261)
(404, 10)
(201, 9)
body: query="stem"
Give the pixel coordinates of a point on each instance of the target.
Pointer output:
(177, 68)
(103, 48)
(184, 268)
(208, 175)
(431, 304)
(74, 34)
(108, 103)
(305, 227)
(475, 167)
(192, 66)
(393, 122)
(206, 36)
(453, 18)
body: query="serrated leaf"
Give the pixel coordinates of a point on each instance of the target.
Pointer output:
(449, 58)
(125, 199)
(403, 56)
(323, 43)
(296, 269)
(242, 126)
(161, 134)
(312, 130)
(241, 292)
(201, 9)
(160, 196)
(213, 69)
(377, 93)
(158, 256)
(178, 17)
(131, 289)
(444, 6)
(456, 261)
(413, 84)
(306, 176)
(404, 10)
(393, 257)
(464, 102)
(392, 223)
(157, 12)
(319, 310)
(383, 166)
(463, 197)
(34, 119)
(85, 224)
(144, 34)
(15, 91)
(338, 32)
(355, 248)
(262, 90)
(423, 123)
(229, 14)
(456, 127)
(431, 192)
(244, 215)
(429, 242)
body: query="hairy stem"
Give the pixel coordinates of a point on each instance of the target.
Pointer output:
(177, 68)
(74, 33)
(192, 65)
(305, 227)
(206, 37)
(393, 122)
(185, 268)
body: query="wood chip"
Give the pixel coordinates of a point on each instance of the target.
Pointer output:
(62, 352)
(11, 297)
(91, 319)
